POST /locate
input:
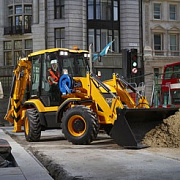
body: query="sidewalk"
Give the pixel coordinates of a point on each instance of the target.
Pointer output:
(29, 168)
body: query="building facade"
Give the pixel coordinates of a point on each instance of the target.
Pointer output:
(32, 25)
(152, 27)
(161, 30)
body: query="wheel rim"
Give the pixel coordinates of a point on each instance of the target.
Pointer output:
(77, 125)
(26, 126)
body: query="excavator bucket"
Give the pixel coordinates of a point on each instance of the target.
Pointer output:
(132, 124)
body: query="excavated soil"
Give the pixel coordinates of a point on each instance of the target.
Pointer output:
(165, 135)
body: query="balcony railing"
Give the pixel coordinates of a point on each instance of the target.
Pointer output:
(166, 53)
(13, 30)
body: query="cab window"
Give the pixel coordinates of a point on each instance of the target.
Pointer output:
(177, 71)
(35, 75)
(168, 73)
(75, 65)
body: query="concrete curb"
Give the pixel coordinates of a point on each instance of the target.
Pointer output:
(28, 166)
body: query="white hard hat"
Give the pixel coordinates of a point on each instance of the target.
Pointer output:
(53, 61)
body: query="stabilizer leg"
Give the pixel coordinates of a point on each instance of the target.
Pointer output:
(17, 126)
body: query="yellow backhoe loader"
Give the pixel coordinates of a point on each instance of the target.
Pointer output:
(78, 102)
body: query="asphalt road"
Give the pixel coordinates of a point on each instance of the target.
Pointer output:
(103, 159)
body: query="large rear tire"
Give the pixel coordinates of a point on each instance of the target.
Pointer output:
(80, 125)
(32, 126)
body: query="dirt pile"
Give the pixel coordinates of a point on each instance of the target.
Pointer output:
(166, 134)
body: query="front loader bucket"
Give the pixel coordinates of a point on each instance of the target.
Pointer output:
(132, 124)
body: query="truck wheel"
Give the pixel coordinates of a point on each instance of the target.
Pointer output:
(32, 126)
(80, 125)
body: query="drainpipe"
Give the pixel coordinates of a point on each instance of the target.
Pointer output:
(141, 45)
(35, 11)
(46, 37)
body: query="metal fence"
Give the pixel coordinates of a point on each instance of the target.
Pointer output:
(12, 30)
(6, 82)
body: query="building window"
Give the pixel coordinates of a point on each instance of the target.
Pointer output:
(28, 9)
(98, 9)
(18, 44)
(60, 37)
(7, 45)
(174, 48)
(11, 10)
(103, 24)
(28, 46)
(115, 7)
(15, 50)
(10, 21)
(116, 42)
(91, 38)
(103, 37)
(103, 9)
(90, 9)
(172, 12)
(59, 9)
(7, 53)
(18, 9)
(27, 23)
(18, 23)
(21, 19)
(17, 56)
(157, 11)
(8, 58)
(173, 42)
(98, 40)
(157, 42)
(27, 18)
(18, 50)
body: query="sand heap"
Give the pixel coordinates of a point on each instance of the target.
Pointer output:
(166, 134)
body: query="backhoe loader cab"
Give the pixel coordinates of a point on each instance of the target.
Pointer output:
(71, 62)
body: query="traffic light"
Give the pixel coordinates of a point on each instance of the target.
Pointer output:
(134, 61)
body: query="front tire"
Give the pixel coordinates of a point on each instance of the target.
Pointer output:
(32, 126)
(80, 125)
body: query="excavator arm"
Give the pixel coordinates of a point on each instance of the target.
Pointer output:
(143, 103)
(21, 80)
(130, 121)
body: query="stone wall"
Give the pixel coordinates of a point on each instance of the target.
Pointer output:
(129, 24)
(39, 25)
(74, 23)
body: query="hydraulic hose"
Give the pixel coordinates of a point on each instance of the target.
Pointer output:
(102, 85)
(128, 85)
